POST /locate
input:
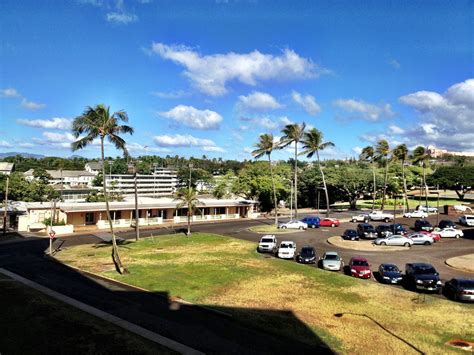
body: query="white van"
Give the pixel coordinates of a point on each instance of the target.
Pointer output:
(467, 220)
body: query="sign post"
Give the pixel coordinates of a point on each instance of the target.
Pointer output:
(52, 235)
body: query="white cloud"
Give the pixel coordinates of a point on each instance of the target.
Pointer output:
(356, 150)
(392, 129)
(307, 102)
(30, 105)
(55, 123)
(258, 101)
(265, 122)
(5, 144)
(364, 110)
(26, 145)
(179, 140)
(395, 64)
(194, 118)
(211, 73)
(136, 147)
(10, 92)
(170, 95)
(213, 149)
(122, 18)
(58, 137)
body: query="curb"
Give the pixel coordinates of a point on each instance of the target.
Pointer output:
(385, 248)
(131, 327)
(447, 263)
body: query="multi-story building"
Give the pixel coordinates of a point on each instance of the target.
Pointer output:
(66, 177)
(163, 182)
(436, 153)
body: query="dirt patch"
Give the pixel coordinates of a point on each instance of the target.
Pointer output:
(363, 245)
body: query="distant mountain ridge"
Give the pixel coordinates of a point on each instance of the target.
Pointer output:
(24, 155)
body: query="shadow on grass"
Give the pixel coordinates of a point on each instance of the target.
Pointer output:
(210, 329)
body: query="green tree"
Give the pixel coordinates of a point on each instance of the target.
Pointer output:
(368, 155)
(460, 179)
(401, 154)
(293, 133)
(382, 151)
(189, 199)
(265, 146)
(313, 143)
(98, 122)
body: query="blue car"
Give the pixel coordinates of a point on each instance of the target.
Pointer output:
(311, 221)
(390, 274)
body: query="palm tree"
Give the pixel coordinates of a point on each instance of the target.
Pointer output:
(97, 122)
(401, 153)
(265, 146)
(313, 143)
(382, 150)
(368, 154)
(421, 156)
(188, 198)
(293, 133)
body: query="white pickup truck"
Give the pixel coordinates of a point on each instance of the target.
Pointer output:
(381, 216)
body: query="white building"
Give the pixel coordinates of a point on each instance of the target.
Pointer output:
(94, 167)
(6, 168)
(66, 177)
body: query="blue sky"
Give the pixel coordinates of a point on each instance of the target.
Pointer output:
(208, 77)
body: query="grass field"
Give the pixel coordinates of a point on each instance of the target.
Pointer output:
(228, 273)
(32, 323)
(412, 202)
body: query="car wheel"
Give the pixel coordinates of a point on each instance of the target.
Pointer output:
(300, 228)
(407, 245)
(283, 227)
(386, 220)
(427, 243)
(383, 243)
(313, 226)
(353, 221)
(457, 236)
(333, 225)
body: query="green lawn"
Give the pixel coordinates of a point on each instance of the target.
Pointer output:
(228, 273)
(33, 323)
(412, 202)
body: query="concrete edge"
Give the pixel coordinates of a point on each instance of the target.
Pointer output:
(131, 327)
(124, 284)
(447, 263)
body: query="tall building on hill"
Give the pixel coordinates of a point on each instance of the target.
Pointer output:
(437, 153)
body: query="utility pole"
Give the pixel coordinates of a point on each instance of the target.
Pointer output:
(5, 208)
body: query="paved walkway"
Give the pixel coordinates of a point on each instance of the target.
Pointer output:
(465, 262)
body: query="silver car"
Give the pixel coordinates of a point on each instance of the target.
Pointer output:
(332, 261)
(421, 238)
(398, 240)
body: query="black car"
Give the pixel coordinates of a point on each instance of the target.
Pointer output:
(421, 276)
(350, 234)
(365, 230)
(390, 273)
(383, 231)
(397, 228)
(446, 223)
(423, 225)
(459, 289)
(307, 255)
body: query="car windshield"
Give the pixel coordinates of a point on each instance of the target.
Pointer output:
(360, 263)
(425, 271)
(383, 228)
(307, 252)
(466, 284)
(331, 257)
(267, 240)
(285, 246)
(391, 268)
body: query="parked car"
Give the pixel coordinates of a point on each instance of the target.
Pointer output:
(287, 249)
(293, 224)
(436, 237)
(449, 233)
(390, 273)
(311, 221)
(381, 216)
(426, 208)
(423, 225)
(397, 228)
(307, 255)
(446, 223)
(459, 289)
(363, 217)
(268, 243)
(467, 220)
(383, 231)
(421, 238)
(421, 276)
(350, 234)
(360, 267)
(462, 208)
(331, 261)
(329, 222)
(396, 240)
(416, 214)
(366, 231)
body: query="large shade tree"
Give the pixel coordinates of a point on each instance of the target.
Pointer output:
(265, 146)
(188, 198)
(368, 155)
(99, 122)
(312, 144)
(401, 154)
(293, 133)
(382, 151)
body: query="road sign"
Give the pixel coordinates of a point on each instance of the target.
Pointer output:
(52, 234)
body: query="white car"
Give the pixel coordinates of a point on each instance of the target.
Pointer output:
(381, 216)
(363, 217)
(467, 220)
(287, 249)
(421, 238)
(449, 233)
(294, 224)
(426, 208)
(398, 240)
(416, 214)
(462, 208)
(268, 243)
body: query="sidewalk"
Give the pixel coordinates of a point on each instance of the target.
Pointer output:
(465, 262)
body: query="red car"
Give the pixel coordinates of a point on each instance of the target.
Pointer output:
(329, 222)
(360, 267)
(436, 237)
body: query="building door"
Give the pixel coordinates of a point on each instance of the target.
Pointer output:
(90, 218)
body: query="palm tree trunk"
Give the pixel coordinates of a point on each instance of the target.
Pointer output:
(274, 190)
(189, 223)
(115, 253)
(384, 186)
(426, 186)
(405, 195)
(296, 180)
(324, 185)
(375, 189)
